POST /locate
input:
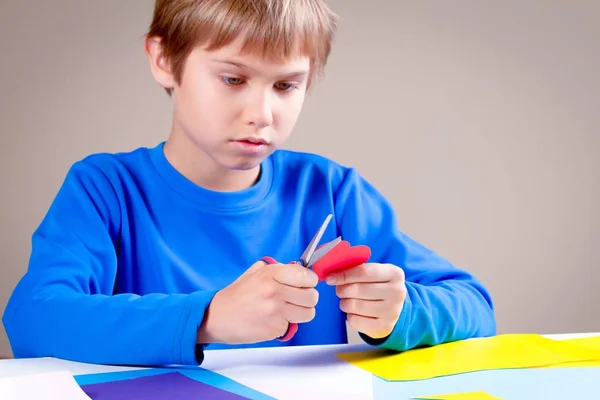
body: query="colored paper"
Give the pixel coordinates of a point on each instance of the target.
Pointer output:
(589, 342)
(479, 395)
(193, 372)
(592, 342)
(497, 352)
(507, 384)
(171, 386)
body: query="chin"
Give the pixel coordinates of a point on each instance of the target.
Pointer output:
(244, 164)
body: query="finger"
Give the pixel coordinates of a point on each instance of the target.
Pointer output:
(297, 314)
(365, 308)
(364, 273)
(303, 297)
(362, 324)
(295, 275)
(260, 264)
(364, 291)
(371, 327)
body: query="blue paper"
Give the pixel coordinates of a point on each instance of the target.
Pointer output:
(168, 386)
(508, 384)
(197, 373)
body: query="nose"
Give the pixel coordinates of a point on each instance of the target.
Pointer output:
(258, 111)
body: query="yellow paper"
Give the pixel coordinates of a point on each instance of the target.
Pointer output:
(592, 342)
(498, 352)
(576, 364)
(460, 396)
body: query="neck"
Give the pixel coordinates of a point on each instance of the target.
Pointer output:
(198, 167)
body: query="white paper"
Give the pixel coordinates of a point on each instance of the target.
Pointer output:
(295, 373)
(58, 385)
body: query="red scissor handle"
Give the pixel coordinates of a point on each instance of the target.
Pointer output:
(292, 327)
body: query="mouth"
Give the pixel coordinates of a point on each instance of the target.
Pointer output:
(252, 141)
(251, 145)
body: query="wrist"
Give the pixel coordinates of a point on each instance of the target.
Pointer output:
(208, 331)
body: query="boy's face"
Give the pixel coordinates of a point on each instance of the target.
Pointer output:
(236, 109)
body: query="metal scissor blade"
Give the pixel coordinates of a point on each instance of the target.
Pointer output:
(322, 251)
(310, 249)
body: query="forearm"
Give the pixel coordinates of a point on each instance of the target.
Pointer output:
(122, 329)
(441, 312)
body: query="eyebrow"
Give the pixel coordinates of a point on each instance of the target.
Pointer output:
(292, 74)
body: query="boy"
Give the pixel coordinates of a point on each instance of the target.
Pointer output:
(151, 256)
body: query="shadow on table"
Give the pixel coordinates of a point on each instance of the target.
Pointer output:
(298, 357)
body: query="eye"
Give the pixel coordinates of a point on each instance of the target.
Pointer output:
(231, 81)
(285, 87)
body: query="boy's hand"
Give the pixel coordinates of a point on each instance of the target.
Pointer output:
(372, 295)
(259, 305)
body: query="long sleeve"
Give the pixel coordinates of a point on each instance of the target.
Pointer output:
(443, 303)
(64, 305)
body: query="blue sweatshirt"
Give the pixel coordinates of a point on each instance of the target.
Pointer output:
(130, 254)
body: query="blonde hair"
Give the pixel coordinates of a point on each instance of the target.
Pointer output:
(274, 29)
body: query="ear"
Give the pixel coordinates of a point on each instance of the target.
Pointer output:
(159, 65)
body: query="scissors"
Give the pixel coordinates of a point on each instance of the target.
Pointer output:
(330, 257)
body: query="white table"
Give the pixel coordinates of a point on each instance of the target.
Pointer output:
(307, 372)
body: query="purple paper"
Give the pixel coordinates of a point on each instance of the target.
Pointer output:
(171, 386)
